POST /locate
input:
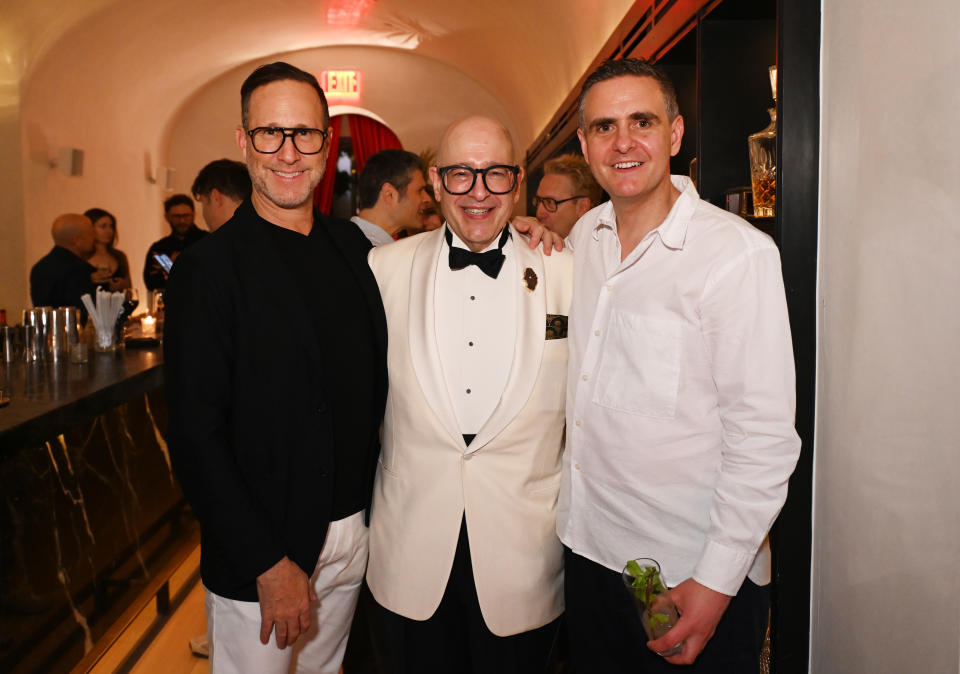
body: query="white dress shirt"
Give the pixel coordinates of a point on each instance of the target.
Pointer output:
(476, 333)
(375, 234)
(680, 402)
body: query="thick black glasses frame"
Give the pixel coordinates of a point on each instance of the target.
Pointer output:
(443, 170)
(288, 132)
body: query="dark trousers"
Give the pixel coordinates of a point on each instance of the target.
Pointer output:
(606, 636)
(365, 653)
(455, 638)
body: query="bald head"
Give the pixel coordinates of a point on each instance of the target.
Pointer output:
(474, 128)
(75, 233)
(483, 197)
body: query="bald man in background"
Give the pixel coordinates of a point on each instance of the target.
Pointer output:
(62, 276)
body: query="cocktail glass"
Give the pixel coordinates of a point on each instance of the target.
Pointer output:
(658, 613)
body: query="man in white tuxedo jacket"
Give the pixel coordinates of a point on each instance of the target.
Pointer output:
(465, 562)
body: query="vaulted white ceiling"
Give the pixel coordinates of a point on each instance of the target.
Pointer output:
(526, 54)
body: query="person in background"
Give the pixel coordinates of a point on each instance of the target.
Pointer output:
(430, 217)
(392, 190)
(179, 214)
(680, 397)
(220, 187)
(566, 192)
(62, 276)
(465, 563)
(113, 269)
(273, 428)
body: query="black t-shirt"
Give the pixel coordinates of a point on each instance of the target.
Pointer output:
(332, 295)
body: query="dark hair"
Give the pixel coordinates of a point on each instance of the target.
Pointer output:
(95, 214)
(637, 68)
(575, 167)
(178, 200)
(227, 176)
(276, 72)
(387, 166)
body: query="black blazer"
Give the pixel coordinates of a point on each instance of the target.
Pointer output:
(250, 433)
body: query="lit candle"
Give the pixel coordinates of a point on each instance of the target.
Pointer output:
(148, 326)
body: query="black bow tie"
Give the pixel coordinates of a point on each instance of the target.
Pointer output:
(489, 262)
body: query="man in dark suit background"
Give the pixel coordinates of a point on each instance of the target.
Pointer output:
(62, 276)
(275, 363)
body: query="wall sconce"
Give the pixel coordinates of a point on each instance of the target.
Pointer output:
(164, 174)
(69, 160)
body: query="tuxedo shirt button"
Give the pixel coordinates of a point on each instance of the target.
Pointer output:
(577, 422)
(468, 390)
(596, 333)
(585, 377)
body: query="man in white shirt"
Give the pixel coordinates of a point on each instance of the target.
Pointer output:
(464, 561)
(392, 191)
(680, 408)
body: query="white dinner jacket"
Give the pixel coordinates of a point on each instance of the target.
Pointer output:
(505, 483)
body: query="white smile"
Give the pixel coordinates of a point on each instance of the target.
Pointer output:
(627, 164)
(285, 174)
(477, 211)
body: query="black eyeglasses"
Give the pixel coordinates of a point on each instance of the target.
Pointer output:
(460, 178)
(269, 139)
(551, 204)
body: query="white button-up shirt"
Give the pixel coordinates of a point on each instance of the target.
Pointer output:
(476, 321)
(680, 402)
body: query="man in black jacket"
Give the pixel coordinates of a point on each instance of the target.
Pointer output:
(275, 349)
(62, 276)
(178, 212)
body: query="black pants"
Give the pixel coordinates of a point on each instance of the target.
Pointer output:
(455, 638)
(606, 636)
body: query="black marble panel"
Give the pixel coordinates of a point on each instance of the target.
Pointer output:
(89, 507)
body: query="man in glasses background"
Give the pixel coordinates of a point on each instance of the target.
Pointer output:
(465, 562)
(179, 213)
(275, 377)
(567, 191)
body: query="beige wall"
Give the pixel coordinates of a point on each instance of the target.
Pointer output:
(886, 567)
(14, 291)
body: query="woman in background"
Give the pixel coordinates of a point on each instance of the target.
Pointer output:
(113, 270)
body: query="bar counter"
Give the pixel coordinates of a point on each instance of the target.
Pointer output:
(48, 397)
(89, 506)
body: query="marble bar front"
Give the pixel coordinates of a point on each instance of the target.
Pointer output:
(90, 507)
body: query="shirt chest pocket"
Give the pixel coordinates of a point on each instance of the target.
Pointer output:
(640, 366)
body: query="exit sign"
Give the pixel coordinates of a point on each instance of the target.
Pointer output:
(341, 85)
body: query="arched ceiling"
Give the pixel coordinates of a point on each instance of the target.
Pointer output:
(527, 54)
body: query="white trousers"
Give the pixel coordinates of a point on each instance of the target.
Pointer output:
(233, 627)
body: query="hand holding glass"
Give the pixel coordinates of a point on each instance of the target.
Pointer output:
(658, 613)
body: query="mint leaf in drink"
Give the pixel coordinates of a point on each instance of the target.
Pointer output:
(658, 619)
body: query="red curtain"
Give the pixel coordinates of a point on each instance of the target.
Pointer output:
(323, 195)
(368, 137)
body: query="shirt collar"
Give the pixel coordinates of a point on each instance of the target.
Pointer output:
(376, 234)
(673, 230)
